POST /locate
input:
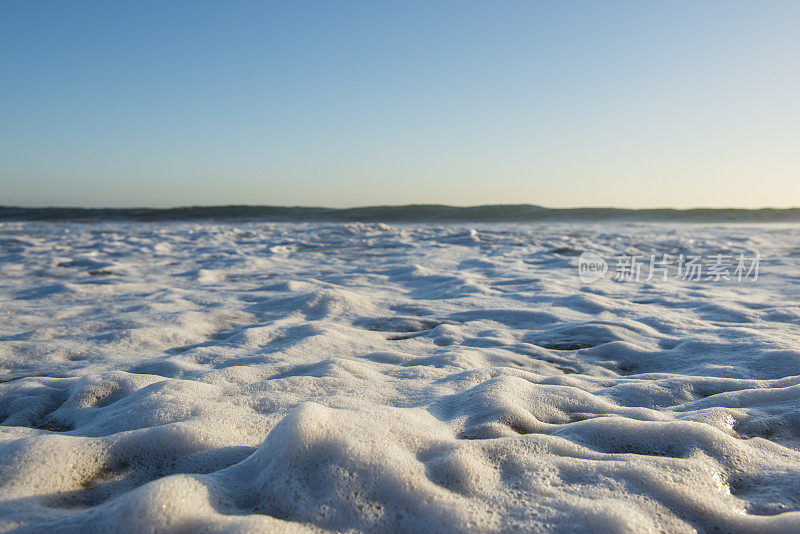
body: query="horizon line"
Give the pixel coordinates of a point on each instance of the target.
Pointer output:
(388, 206)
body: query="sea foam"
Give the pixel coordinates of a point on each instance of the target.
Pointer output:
(243, 376)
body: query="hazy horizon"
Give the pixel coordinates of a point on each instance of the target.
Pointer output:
(391, 205)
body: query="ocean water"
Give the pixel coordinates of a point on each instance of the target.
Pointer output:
(250, 372)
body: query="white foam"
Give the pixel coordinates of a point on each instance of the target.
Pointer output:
(178, 376)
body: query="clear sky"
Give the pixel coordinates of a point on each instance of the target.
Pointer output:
(335, 103)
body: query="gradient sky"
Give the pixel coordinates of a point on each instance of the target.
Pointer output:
(632, 104)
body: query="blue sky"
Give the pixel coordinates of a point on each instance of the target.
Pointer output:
(634, 104)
